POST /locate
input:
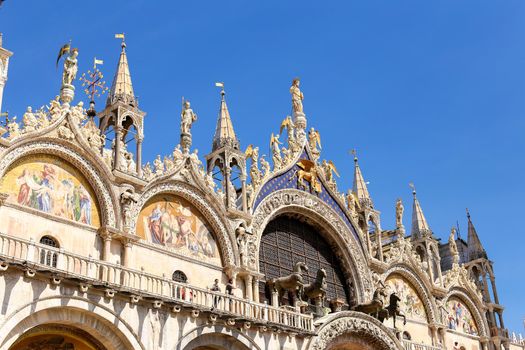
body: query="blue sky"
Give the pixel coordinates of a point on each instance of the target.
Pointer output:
(427, 91)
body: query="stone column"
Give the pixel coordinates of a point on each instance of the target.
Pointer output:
(256, 289)
(2, 84)
(248, 280)
(494, 291)
(244, 198)
(379, 244)
(118, 141)
(139, 155)
(226, 185)
(433, 331)
(127, 252)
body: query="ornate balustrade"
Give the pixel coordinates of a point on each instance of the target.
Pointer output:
(38, 257)
(410, 345)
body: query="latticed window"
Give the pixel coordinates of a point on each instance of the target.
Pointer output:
(179, 276)
(286, 241)
(48, 257)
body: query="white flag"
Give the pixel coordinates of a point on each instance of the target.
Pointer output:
(221, 85)
(119, 36)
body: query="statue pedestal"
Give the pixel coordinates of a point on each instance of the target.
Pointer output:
(67, 93)
(337, 304)
(299, 120)
(185, 142)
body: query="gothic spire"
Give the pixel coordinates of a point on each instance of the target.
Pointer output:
(420, 226)
(360, 189)
(224, 133)
(475, 248)
(122, 88)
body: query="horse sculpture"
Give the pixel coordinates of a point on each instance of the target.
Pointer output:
(317, 288)
(393, 308)
(375, 307)
(291, 283)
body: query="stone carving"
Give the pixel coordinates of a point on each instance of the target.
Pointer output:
(329, 169)
(188, 117)
(13, 128)
(349, 323)
(255, 174)
(208, 179)
(400, 209)
(94, 137)
(65, 132)
(78, 113)
(232, 194)
(29, 120)
(169, 164)
(353, 205)
(70, 68)
(177, 155)
(128, 199)
(159, 166)
(287, 124)
(246, 245)
(297, 96)
(266, 169)
(314, 141)
(453, 247)
(147, 171)
(276, 152)
(55, 109)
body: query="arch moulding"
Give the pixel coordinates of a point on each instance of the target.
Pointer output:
(103, 324)
(421, 288)
(307, 205)
(473, 306)
(221, 228)
(216, 334)
(91, 173)
(356, 324)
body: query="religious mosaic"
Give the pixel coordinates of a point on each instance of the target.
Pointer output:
(411, 303)
(459, 317)
(53, 186)
(175, 223)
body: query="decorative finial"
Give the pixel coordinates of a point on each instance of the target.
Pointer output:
(413, 187)
(94, 86)
(123, 37)
(221, 85)
(354, 153)
(468, 214)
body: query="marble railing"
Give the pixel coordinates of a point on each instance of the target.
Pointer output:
(410, 345)
(114, 277)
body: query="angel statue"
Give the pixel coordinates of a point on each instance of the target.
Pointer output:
(70, 64)
(399, 213)
(309, 172)
(329, 170)
(353, 204)
(253, 153)
(265, 166)
(188, 117)
(290, 130)
(297, 96)
(314, 139)
(276, 151)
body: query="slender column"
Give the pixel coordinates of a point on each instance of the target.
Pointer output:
(227, 172)
(244, 198)
(248, 286)
(126, 259)
(139, 156)
(2, 84)
(429, 263)
(256, 289)
(379, 243)
(494, 291)
(118, 141)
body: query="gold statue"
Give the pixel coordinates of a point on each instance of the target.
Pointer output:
(297, 96)
(309, 172)
(329, 170)
(276, 151)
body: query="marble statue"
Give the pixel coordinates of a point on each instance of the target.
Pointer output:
(29, 120)
(168, 163)
(13, 128)
(55, 109)
(255, 174)
(453, 247)
(276, 151)
(287, 124)
(158, 165)
(266, 169)
(297, 96)
(188, 117)
(177, 155)
(399, 213)
(208, 179)
(131, 166)
(147, 172)
(70, 68)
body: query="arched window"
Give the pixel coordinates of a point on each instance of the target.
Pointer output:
(286, 241)
(406, 336)
(49, 256)
(179, 276)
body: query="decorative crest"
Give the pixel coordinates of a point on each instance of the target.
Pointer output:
(93, 85)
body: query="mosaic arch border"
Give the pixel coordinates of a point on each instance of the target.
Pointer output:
(115, 332)
(71, 154)
(417, 283)
(215, 329)
(354, 323)
(473, 306)
(220, 228)
(299, 202)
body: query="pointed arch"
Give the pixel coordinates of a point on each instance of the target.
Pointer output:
(74, 156)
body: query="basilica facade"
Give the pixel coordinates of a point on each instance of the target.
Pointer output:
(102, 251)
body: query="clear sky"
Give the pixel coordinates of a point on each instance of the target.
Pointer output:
(427, 91)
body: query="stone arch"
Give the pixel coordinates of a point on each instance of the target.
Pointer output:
(217, 335)
(222, 230)
(419, 284)
(353, 326)
(72, 155)
(306, 205)
(101, 322)
(474, 305)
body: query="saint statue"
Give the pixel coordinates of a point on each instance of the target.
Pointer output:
(399, 213)
(297, 96)
(453, 247)
(187, 118)
(30, 121)
(70, 68)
